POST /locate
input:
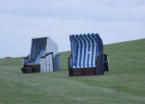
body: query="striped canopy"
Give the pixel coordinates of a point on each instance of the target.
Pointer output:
(85, 48)
(41, 46)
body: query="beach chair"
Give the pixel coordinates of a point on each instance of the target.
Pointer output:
(87, 56)
(41, 58)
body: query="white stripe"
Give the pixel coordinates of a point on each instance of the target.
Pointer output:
(95, 45)
(90, 51)
(83, 44)
(87, 44)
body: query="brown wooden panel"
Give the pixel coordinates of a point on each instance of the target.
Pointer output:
(83, 72)
(31, 68)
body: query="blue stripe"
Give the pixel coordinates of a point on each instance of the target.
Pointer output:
(76, 53)
(80, 51)
(88, 42)
(92, 51)
(97, 50)
(84, 50)
(88, 60)
(71, 48)
(99, 41)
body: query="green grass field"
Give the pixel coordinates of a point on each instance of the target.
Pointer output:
(124, 84)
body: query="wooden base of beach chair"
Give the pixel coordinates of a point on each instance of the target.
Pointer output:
(82, 72)
(31, 68)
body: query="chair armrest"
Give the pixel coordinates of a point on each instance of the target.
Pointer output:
(69, 57)
(97, 62)
(70, 60)
(100, 64)
(27, 57)
(70, 65)
(25, 60)
(47, 54)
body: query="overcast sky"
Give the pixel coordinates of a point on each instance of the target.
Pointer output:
(22, 20)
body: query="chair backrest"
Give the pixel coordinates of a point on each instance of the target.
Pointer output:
(85, 48)
(38, 49)
(41, 46)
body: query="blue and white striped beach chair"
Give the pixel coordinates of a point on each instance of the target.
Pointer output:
(86, 55)
(42, 56)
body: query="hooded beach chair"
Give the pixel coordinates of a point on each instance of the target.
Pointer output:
(87, 56)
(41, 58)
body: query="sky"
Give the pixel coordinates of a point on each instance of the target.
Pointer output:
(22, 20)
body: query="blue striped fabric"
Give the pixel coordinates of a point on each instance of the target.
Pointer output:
(85, 48)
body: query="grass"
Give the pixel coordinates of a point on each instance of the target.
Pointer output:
(124, 84)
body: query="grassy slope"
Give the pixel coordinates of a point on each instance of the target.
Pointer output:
(124, 84)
